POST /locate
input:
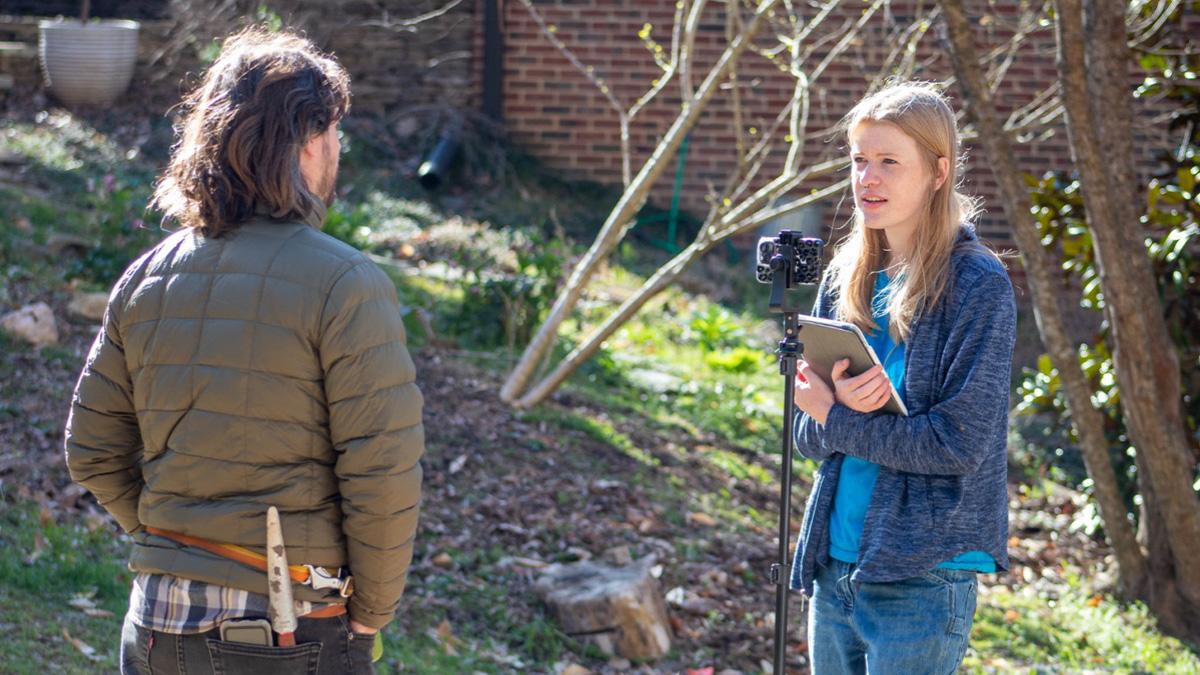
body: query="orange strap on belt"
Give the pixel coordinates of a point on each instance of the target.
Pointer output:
(326, 612)
(298, 573)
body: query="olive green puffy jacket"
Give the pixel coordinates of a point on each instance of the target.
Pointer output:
(265, 367)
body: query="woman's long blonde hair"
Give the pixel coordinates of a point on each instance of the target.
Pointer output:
(924, 115)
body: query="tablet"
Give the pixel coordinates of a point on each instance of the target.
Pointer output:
(827, 341)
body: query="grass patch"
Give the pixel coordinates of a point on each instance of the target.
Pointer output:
(597, 429)
(42, 566)
(67, 558)
(34, 644)
(736, 466)
(1020, 632)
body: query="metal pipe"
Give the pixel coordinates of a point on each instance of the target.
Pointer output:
(437, 165)
(493, 61)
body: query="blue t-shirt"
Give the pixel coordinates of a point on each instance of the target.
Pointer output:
(857, 480)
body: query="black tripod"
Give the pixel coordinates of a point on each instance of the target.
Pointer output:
(792, 260)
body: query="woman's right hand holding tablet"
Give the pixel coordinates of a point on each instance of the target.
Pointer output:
(866, 392)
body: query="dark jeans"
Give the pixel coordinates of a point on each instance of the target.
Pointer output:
(323, 647)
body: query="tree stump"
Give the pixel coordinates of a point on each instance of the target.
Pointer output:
(618, 609)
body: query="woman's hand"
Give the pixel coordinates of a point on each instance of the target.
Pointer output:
(864, 393)
(813, 394)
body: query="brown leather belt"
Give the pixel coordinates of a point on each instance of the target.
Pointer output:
(326, 612)
(318, 578)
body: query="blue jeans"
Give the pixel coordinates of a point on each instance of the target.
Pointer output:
(914, 626)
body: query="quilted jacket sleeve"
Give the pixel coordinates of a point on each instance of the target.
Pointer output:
(375, 427)
(103, 442)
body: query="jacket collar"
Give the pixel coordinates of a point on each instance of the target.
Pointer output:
(315, 218)
(966, 232)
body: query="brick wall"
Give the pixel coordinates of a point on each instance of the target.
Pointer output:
(124, 9)
(392, 69)
(551, 109)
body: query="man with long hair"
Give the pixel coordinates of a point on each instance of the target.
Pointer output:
(250, 361)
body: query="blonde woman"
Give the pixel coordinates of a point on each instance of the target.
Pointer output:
(905, 511)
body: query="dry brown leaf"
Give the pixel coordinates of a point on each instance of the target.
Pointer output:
(703, 519)
(83, 647)
(443, 560)
(445, 636)
(1095, 600)
(39, 549)
(1011, 615)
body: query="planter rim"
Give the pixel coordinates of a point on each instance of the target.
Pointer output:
(74, 24)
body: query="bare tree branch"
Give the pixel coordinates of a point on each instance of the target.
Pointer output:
(686, 90)
(618, 220)
(1141, 31)
(412, 25)
(736, 208)
(732, 21)
(661, 279)
(624, 117)
(589, 72)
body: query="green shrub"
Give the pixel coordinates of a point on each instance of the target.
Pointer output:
(113, 210)
(714, 329)
(737, 360)
(351, 225)
(506, 282)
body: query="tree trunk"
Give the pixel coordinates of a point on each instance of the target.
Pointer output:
(627, 207)
(1162, 592)
(1042, 275)
(1145, 361)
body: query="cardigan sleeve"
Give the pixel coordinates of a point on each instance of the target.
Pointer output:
(945, 439)
(807, 432)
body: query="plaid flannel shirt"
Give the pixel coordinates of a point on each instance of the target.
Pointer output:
(171, 604)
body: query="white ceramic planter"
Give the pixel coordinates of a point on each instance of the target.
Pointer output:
(87, 64)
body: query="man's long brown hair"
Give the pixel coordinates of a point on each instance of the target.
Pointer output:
(242, 130)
